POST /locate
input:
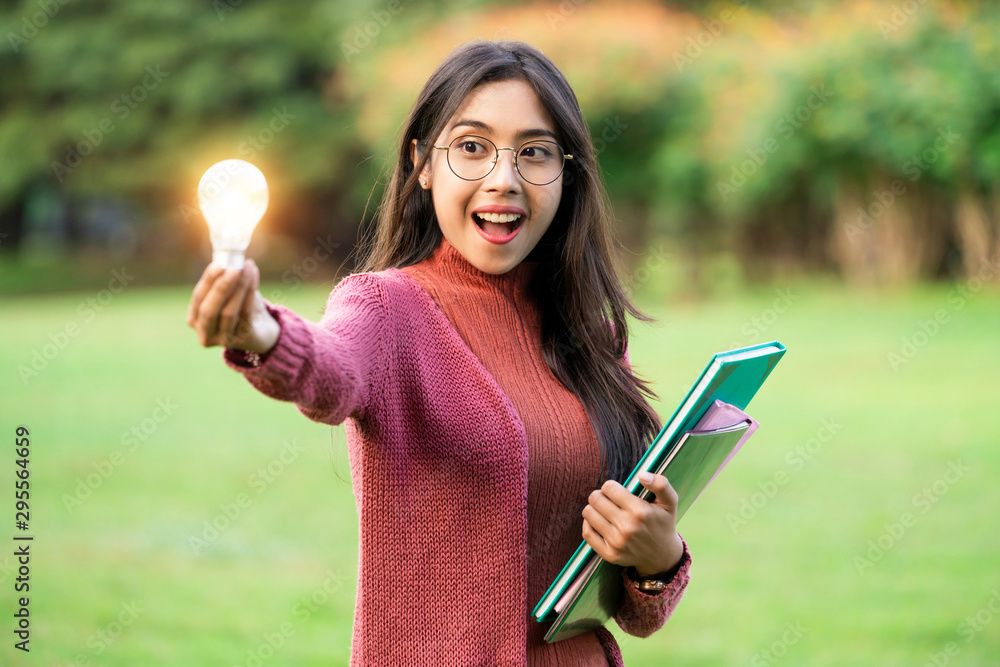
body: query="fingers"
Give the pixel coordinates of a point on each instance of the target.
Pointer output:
(232, 309)
(622, 501)
(596, 542)
(599, 523)
(249, 302)
(622, 528)
(208, 278)
(608, 524)
(601, 501)
(660, 487)
(211, 308)
(617, 493)
(247, 318)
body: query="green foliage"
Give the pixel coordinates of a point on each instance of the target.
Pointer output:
(750, 118)
(137, 97)
(882, 101)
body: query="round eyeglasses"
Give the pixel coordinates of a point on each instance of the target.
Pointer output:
(472, 158)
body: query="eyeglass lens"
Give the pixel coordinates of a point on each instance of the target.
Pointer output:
(473, 158)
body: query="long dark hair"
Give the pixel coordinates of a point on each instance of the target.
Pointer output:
(575, 283)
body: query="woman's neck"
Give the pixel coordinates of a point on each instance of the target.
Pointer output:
(449, 262)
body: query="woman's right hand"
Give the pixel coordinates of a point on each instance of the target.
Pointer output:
(227, 309)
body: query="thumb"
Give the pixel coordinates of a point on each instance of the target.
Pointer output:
(658, 485)
(253, 301)
(254, 272)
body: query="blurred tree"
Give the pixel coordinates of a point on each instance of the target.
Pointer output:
(137, 97)
(807, 134)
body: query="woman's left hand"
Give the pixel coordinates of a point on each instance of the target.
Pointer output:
(625, 530)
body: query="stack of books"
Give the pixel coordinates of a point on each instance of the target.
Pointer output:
(701, 437)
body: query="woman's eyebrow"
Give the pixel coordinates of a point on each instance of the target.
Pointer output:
(520, 134)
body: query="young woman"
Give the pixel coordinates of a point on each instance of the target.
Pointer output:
(479, 364)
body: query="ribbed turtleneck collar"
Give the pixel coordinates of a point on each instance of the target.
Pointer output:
(450, 263)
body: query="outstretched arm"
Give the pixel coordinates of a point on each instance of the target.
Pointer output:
(326, 369)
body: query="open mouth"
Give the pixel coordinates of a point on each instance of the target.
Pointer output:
(498, 224)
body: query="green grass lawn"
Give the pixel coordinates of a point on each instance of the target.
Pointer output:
(857, 528)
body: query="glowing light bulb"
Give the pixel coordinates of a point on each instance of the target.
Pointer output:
(232, 196)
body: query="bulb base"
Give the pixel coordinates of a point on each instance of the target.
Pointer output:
(228, 259)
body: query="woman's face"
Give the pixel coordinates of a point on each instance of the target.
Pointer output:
(508, 113)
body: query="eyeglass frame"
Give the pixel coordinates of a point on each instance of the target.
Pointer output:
(496, 157)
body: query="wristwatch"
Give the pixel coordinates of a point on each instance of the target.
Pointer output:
(652, 584)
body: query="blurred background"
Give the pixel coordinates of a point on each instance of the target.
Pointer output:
(822, 173)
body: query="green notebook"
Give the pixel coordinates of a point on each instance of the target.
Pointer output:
(588, 590)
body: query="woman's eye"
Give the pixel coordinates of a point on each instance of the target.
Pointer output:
(471, 147)
(535, 152)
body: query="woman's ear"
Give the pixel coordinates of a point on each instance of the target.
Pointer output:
(425, 173)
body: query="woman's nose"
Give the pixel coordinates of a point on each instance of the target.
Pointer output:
(503, 176)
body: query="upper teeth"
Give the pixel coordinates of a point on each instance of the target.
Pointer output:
(499, 217)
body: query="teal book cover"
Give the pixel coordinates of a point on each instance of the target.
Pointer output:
(732, 378)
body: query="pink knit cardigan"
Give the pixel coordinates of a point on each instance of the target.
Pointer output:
(431, 437)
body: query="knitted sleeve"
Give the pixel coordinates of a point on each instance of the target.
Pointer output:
(641, 614)
(327, 369)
